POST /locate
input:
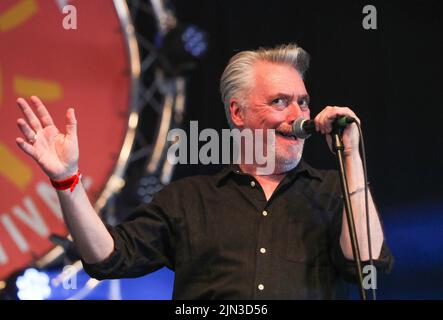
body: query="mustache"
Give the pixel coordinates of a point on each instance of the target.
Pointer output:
(284, 128)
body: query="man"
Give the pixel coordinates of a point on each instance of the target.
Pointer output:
(237, 234)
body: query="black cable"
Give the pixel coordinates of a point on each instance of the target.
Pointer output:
(368, 228)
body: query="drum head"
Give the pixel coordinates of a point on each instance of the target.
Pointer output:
(87, 68)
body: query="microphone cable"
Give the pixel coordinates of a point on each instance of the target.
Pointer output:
(368, 228)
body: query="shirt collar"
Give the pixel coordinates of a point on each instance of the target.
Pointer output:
(301, 168)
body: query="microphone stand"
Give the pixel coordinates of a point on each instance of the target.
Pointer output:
(338, 148)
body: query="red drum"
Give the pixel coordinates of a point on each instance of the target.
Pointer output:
(87, 68)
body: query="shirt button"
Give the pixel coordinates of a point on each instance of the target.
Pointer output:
(253, 184)
(261, 287)
(265, 213)
(262, 250)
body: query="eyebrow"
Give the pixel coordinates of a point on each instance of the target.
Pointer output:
(305, 96)
(285, 95)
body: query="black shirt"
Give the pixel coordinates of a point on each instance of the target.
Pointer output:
(224, 240)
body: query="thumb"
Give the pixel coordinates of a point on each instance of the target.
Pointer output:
(71, 123)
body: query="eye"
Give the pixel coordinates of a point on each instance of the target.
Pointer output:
(280, 102)
(303, 103)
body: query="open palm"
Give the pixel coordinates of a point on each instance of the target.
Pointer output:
(55, 152)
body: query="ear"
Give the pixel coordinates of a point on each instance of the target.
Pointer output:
(237, 113)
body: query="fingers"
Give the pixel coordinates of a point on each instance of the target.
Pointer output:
(30, 116)
(71, 123)
(26, 147)
(32, 124)
(42, 112)
(28, 133)
(325, 119)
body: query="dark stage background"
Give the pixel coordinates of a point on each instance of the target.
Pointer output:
(391, 77)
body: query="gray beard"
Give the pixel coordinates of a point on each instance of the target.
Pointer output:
(285, 165)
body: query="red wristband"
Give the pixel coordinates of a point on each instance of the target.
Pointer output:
(68, 183)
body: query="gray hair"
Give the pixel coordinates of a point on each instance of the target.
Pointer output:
(238, 75)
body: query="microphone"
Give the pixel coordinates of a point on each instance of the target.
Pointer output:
(67, 245)
(303, 128)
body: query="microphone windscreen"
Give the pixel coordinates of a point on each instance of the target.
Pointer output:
(299, 129)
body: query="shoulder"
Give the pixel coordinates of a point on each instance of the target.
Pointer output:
(323, 175)
(187, 188)
(191, 182)
(323, 183)
(173, 198)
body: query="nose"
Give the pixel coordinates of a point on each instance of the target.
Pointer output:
(294, 112)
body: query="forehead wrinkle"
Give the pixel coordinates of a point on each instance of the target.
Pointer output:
(272, 81)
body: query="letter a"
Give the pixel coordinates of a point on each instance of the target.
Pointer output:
(370, 20)
(370, 280)
(70, 21)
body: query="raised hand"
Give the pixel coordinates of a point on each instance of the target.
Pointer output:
(55, 152)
